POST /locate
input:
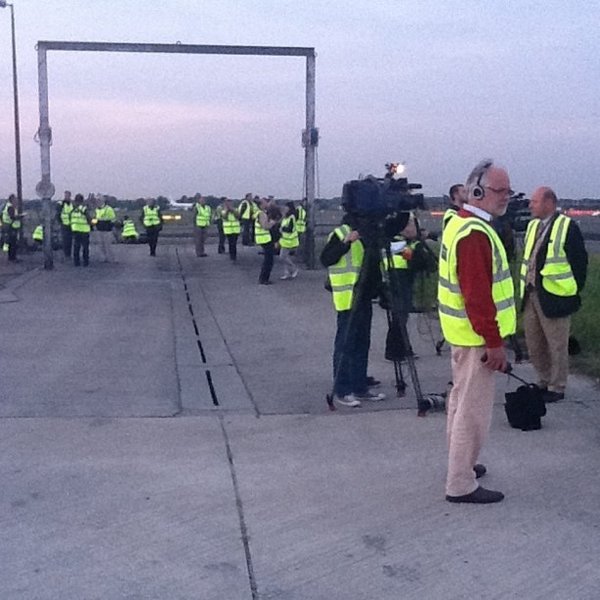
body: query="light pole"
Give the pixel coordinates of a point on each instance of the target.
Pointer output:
(4, 4)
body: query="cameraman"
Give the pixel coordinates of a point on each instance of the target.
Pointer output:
(403, 230)
(354, 277)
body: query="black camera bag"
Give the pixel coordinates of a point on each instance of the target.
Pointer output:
(525, 407)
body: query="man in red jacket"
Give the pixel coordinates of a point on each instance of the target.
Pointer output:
(477, 311)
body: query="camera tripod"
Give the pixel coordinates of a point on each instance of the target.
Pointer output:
(396, 313)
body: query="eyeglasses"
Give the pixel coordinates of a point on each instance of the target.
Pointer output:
(501, 191)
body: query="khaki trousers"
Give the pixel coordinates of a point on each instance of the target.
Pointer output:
(469, 417)
(104, 240)
(548, 344)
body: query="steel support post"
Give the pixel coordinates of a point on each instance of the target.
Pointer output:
(45, 189)
(16, 111)
(310, 158)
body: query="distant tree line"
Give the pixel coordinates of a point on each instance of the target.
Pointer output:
(432, 202)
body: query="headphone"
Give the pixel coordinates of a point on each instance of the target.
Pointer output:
(478, 191)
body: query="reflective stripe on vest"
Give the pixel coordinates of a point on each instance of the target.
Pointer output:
(301, 219)
(231, 224)
(456, 327)
(344, 274)
(289, 240)
(261, 236)
(79, 222)
(129, 229)
(38, 234)
(203, 213)
(65, 214)
(557, 276)
(151, 217)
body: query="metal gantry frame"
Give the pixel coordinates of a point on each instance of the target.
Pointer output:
(45, 188)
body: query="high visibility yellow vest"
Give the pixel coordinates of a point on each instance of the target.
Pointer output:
(65, 213)
(79, 222)
(289, 239)
(344, 274)
(231, 224)
(456, 327)
(129, 229)
(246, 209)
(203, 213)
(151, 216)
(398, 261)
(7, 220)
(301, 219)
(261, 236)
(105, 213)
(38, 234)
(557, 276)
(450, 212)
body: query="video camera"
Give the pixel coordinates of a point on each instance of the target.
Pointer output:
(518, 214)
(378, 197)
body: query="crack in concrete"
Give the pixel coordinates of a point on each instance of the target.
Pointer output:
(240, 510)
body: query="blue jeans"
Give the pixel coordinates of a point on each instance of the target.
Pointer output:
(351, 349)
(267, 264)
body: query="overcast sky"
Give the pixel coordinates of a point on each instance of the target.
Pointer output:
(435, 84)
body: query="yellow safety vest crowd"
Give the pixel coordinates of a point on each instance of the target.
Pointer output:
(476, 298)
(81, 220)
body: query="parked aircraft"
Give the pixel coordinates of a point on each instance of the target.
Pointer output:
(178, 205)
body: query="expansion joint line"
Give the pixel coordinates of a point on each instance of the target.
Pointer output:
(209, 380)
(233, 361)
(240, 511)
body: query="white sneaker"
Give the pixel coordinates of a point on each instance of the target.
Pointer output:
(294, 274)
(348, 400)
(370, 397)
(285, 277)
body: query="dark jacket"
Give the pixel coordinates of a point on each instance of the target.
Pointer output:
(560, 306)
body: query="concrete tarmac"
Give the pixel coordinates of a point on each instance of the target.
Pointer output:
(165, 435)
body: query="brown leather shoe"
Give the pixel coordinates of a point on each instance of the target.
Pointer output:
(479, 496)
